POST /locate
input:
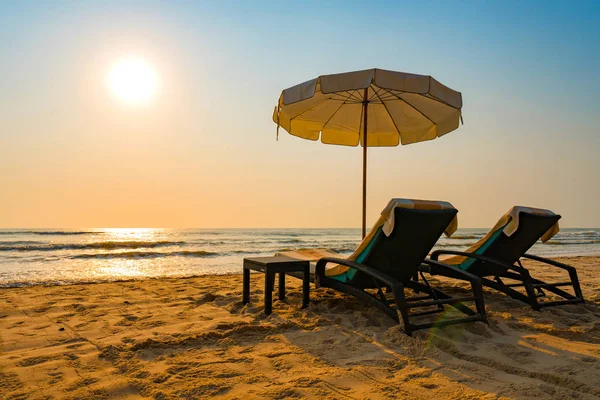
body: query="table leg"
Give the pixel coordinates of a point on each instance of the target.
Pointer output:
(269, 279)
(306, 287)
(246, 287)
(281, 286)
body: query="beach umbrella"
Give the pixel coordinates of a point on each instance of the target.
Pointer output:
(392, 107)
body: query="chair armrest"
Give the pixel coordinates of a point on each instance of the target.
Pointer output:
(386, 279)
(452, 271)
(549, 262)
(571, 270)
(522, 271)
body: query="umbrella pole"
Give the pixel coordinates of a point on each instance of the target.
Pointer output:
(364, 193)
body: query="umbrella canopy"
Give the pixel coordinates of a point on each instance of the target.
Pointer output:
(391, 107)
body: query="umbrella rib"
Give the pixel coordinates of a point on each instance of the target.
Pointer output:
(308, 109)
(373, 87)
(390, 95)
(354, 97)
(332, 115)
(350, 95)
(416, 109)
(390, 115)
(339, 98)
(318, 104)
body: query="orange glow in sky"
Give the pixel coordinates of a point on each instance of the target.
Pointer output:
(159, 114)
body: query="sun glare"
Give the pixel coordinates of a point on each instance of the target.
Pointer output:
(133, 81)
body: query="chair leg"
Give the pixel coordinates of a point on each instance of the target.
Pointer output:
(269, 278)
(281, 286)
(246, 287)
(575, 281)
(533, 302)
(400, 300)
(479, 302)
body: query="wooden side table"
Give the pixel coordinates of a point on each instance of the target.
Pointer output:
(271, 266)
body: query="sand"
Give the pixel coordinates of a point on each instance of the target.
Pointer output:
(192, 338)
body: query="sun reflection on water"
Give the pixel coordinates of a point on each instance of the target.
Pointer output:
(126, 252)
(133, 233)
(122, 269)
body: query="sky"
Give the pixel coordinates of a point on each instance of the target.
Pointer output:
(203, 152)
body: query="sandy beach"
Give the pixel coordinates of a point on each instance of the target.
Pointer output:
(192, 338)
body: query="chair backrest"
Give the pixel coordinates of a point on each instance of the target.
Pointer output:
(509, 249)
(400, 254)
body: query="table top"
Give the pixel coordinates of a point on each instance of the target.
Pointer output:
(275, 260)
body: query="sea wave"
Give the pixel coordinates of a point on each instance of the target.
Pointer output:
(18, 242)
(248, 242)
(579, 234)
(465, 237)
(146, 254)
(272, 241)
(446, 244)
(343, 249)
(109, 245)
(50, 232)
(572, 242)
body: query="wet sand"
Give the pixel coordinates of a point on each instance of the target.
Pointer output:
(192, 338)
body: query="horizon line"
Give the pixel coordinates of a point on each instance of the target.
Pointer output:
(138, 227)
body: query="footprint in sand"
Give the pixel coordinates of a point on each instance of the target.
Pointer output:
(28, 362)
(515, 353)
(10, 383)
(55, 377)
(161, 378)
(81, 383)
(152, 324)
(205, 298)
(428, 385)
(79, 307)
(71, 357)
(16, 324)
(480, 330)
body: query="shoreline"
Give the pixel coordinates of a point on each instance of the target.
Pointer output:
(186, 276)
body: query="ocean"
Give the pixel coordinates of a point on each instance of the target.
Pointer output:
(62, 256)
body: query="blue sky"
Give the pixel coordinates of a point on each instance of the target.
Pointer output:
(527, 71)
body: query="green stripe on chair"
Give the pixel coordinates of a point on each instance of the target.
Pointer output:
(348, 275)
(469, 261)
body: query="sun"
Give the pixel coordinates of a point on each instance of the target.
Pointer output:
(133, 81)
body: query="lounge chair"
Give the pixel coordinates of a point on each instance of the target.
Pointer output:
(499, 255)
(391, 259)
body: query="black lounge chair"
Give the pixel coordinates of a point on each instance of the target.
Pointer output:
(499, 256)
(394, 263)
